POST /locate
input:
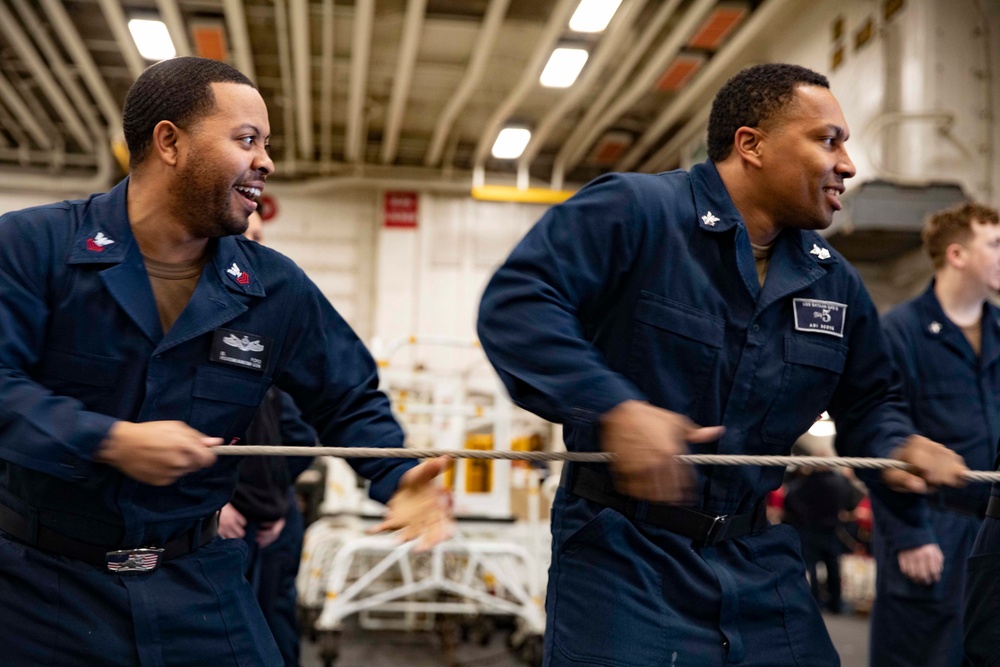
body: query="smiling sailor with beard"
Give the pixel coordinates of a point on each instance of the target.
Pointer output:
(116, 383)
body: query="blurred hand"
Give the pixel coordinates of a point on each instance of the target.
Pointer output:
(269, 532)
(157, 453)
(922, 564)
(232, 524)
(931, 465)
(420, 508)
(644, 440)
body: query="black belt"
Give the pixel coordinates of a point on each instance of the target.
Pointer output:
(958, 503)
(706, 529)
(140, 559)
(993, 509)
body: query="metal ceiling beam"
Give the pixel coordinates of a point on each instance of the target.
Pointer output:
(643, 81)
(326, 83)
(170, 14)
(43, 77)
(717, 66)
(413, 25)
(85, 64)
(8, 123)
(83, 185)
(17, 106)
(485, 41)
(611, 88)
(287, 86)
(115, 16)
(617, 31)
(554, 29)
(236, 26)
(59, 67)
(364, 19)
(299, 13)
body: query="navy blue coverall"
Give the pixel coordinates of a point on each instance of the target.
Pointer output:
(81, 347)
(952, 395)
(644, 287)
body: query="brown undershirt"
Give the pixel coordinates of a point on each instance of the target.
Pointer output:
(173, 284)
(761, 257)
(974, 334)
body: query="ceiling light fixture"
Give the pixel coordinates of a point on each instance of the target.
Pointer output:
(511, 142)
(152, 38)
(593, 15)
(563, 67)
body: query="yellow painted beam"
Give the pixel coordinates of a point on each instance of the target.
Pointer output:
(524, 196)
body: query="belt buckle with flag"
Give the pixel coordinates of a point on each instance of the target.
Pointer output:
(145, 559)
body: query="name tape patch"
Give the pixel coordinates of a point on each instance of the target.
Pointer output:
(825, 317)
(239, 348)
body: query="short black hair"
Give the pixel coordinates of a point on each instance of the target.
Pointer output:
(752, 97)
(177, 90)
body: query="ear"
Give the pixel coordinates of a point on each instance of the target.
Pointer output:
(167, 138)
(747, 143)
(954, 255)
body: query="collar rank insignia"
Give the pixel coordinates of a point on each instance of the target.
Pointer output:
(935, 327)
(709, 219)
(97, 243)
(241, 276)
(821, 253)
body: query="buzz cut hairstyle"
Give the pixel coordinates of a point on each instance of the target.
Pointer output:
(953, 225)
(751, 98)
(178, 90)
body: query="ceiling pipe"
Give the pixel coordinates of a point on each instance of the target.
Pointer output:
(677, 142)
(170, 14)
(236, 25)
(64, 186)
(7, 122)
(287, 88)
(543, 49)
(611, 88)
(115, 16)
(43, 77)
(59, 67)
(302, 69)
(13, 101)
(485, 41)
(617, 31)
(85, 64)
(644, 80)
(412, 27)
(364, 19)
(326, 83)
(717, 67)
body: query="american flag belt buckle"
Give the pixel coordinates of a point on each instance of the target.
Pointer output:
(145, 559)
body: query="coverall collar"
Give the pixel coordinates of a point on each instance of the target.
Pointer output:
(799, 258)
(105, 237)
(934, 324)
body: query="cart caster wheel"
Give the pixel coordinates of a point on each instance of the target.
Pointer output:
(531, 651)
(329, 647)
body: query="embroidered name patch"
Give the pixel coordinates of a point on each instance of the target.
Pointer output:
(242, 349)
(826, 317)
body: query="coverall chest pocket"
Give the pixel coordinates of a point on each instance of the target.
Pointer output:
(85, 377)
(811, 372)
(675, 352)
(224, 402)
(948, 410)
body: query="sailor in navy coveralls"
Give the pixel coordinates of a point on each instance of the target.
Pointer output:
(652, 312)
(115, 385)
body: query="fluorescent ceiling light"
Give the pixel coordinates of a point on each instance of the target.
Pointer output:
(510, 143)
(593, 15)
(152, 38)
(563, 67)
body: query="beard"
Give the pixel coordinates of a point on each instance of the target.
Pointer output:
(204, 200)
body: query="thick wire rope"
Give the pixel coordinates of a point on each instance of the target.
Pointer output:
(582, 457)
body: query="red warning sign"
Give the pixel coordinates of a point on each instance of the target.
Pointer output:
(399, 209)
